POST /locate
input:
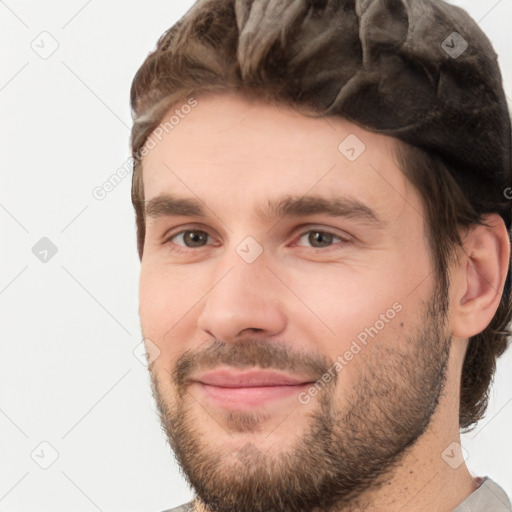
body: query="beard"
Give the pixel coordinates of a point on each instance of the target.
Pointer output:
(352, 442)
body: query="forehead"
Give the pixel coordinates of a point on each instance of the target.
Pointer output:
(228, 143)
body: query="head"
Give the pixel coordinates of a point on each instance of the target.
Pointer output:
(342, 232)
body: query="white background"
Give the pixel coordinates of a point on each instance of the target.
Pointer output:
(68, 374)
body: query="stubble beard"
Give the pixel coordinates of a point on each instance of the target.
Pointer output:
(345, 452)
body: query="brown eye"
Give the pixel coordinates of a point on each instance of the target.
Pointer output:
(191, 238)
(318, 239)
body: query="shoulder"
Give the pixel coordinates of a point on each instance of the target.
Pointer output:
(489, 496)
(496, 495)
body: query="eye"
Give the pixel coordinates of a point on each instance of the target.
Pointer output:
(319, 239)
(190, 238)
(196, 238)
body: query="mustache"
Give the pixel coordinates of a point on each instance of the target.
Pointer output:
(250, 353)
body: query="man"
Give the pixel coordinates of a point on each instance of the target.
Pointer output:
(324, 232)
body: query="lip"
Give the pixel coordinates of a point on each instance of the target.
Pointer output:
(227, 378)
(250, 389)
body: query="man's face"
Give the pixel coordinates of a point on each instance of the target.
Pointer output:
(293, 304)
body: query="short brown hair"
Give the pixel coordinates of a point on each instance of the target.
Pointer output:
(213, 48)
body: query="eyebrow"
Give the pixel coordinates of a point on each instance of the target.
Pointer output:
(167, 205)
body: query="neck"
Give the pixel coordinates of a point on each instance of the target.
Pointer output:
(426, 480)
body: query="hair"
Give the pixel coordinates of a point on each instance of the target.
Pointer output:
(220, 46)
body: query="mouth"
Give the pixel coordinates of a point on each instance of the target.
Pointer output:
(247, 390)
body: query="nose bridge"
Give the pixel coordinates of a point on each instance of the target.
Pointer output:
(243, 296)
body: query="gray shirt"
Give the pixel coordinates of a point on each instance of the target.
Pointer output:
(489, 497)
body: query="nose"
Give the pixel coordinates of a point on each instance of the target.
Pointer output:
(244, 302)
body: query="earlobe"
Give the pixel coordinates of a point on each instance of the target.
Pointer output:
(482, 271)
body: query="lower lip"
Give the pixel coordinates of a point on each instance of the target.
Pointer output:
(246, 398)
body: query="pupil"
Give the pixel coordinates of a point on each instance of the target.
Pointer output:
(319, 239)
(195, 238)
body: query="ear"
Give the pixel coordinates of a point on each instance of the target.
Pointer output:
(479, 277)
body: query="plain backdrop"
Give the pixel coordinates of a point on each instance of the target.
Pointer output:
(74, 395)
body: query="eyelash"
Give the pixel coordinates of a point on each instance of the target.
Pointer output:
(184, 248)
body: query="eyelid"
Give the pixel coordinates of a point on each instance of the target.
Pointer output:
(178, 230)
(301, 231)
(345, 238)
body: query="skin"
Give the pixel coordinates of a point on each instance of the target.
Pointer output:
(309, 302)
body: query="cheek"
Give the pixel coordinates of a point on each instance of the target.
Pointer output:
(154, 299)
(166, 306)
(374, 303)
(345, 296)
(171, 298)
